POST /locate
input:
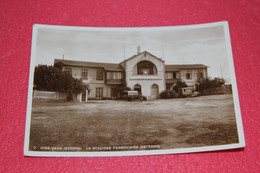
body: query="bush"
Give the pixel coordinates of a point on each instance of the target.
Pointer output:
(167, 94)
(179, 84)
(173, 94)
(209, 83)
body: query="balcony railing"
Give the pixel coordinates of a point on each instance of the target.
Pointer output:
(171, 80)
(114, 81)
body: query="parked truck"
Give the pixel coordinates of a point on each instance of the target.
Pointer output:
(131, 95)
(188, 92)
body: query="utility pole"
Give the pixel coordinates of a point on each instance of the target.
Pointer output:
(162, 52)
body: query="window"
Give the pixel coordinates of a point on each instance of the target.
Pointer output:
(114, 75)
(146, 68)
(188, 75)
(200, 74)
(68, 71)
(84, 74)
(171, 75)
(174, 75)
(100, 75)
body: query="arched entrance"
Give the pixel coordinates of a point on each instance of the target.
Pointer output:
(154, 91)
(138, 88)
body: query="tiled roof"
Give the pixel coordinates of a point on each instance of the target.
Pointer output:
(106, 66)
(184, 66)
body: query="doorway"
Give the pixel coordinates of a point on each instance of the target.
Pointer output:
(99, 93)
(83, 96)
(138, 88)
(154, 91)
(113, 93)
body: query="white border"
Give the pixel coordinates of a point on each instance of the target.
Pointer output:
(141, 152)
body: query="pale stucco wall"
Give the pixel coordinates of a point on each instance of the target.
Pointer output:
(92, 74)
(92, 80)
(194, 73)
(106, 90)
(146, 81)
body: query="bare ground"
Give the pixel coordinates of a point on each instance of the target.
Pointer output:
(174, 123)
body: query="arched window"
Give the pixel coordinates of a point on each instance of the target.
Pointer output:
(146, 68)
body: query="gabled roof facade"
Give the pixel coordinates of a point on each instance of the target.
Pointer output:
(144, 52)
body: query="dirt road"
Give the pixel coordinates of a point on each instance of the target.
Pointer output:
(174, 123)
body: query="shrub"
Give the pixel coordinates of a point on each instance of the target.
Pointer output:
(209, 83)
(167, 94)
(179, 84)
(173, 94)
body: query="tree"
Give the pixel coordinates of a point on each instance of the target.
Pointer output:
(52, 78)
(179, 84)
(44, 77)
(209, 83)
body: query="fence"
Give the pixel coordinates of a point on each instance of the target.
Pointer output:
(227, 89)
(51, 95)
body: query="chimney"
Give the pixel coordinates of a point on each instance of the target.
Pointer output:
(138, 50)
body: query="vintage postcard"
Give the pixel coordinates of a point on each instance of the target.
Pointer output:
(132, 91)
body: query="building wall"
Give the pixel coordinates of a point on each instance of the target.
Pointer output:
(91, 80)
(92, 74)
(146, 81)
(106, 91)
(194, 74)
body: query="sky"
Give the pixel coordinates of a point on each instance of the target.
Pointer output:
(175, 45)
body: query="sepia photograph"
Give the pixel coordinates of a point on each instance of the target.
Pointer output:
(132, 91)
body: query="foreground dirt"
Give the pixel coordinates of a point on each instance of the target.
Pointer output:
(175, 123)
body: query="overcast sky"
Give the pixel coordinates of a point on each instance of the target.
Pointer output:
(176, 45)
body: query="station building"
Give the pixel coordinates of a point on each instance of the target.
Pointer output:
(143, 72)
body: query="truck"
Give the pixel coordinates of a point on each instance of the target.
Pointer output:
(131, 95)
(188, 92)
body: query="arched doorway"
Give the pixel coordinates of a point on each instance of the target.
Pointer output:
(154, 91)
(138, 88)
